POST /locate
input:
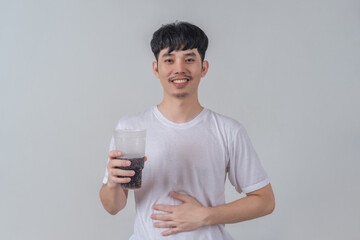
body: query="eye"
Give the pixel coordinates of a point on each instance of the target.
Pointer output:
(189, 60)
(168, 60)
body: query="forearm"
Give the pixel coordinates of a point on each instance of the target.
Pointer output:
(113, 198)
(249, 207)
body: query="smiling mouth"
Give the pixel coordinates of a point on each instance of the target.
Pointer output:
(179, 80)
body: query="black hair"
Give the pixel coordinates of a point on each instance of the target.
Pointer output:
(179, 36)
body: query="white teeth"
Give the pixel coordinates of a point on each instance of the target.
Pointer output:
(180, 81)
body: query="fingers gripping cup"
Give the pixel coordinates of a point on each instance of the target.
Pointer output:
(131, 143)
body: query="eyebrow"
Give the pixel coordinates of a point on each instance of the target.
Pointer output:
(167, 54)
(191, 54)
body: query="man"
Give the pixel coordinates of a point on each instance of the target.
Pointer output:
(190, 150)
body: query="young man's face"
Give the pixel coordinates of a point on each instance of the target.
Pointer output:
(180, 72)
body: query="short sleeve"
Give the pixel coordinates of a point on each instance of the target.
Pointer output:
(245, 171)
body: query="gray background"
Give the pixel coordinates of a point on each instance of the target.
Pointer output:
(288, 70)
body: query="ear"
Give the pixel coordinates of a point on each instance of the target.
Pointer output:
(155, 68)
(205, 68)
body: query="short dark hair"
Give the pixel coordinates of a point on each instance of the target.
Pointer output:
(179, 36)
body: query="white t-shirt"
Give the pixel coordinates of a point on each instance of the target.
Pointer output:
(191, 158)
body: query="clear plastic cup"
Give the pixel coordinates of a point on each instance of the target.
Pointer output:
(131, 143)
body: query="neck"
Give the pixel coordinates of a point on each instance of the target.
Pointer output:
(180, 110)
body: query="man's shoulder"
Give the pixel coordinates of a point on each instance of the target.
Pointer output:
(225, 121)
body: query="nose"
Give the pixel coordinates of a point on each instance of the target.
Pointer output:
(180, 67)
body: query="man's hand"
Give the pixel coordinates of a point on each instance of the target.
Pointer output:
(191, 214)
(188, 216)
(117, 175)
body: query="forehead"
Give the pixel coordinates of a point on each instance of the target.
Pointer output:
(188, 52)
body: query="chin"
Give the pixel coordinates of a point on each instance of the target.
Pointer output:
(181, 95)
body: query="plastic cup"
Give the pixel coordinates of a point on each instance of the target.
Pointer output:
(131, 143)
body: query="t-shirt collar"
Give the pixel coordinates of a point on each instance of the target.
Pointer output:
(167, 122)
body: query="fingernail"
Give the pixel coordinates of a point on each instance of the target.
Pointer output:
(128, 163)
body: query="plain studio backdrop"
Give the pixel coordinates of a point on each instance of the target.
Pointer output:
(287, 70)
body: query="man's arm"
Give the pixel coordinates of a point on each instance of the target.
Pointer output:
(191, 214)
(112, 196)
(256, 204)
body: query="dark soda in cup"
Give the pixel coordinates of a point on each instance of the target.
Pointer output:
(137, 165)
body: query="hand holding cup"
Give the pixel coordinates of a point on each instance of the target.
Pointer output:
(116, 174)
(128, 160)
